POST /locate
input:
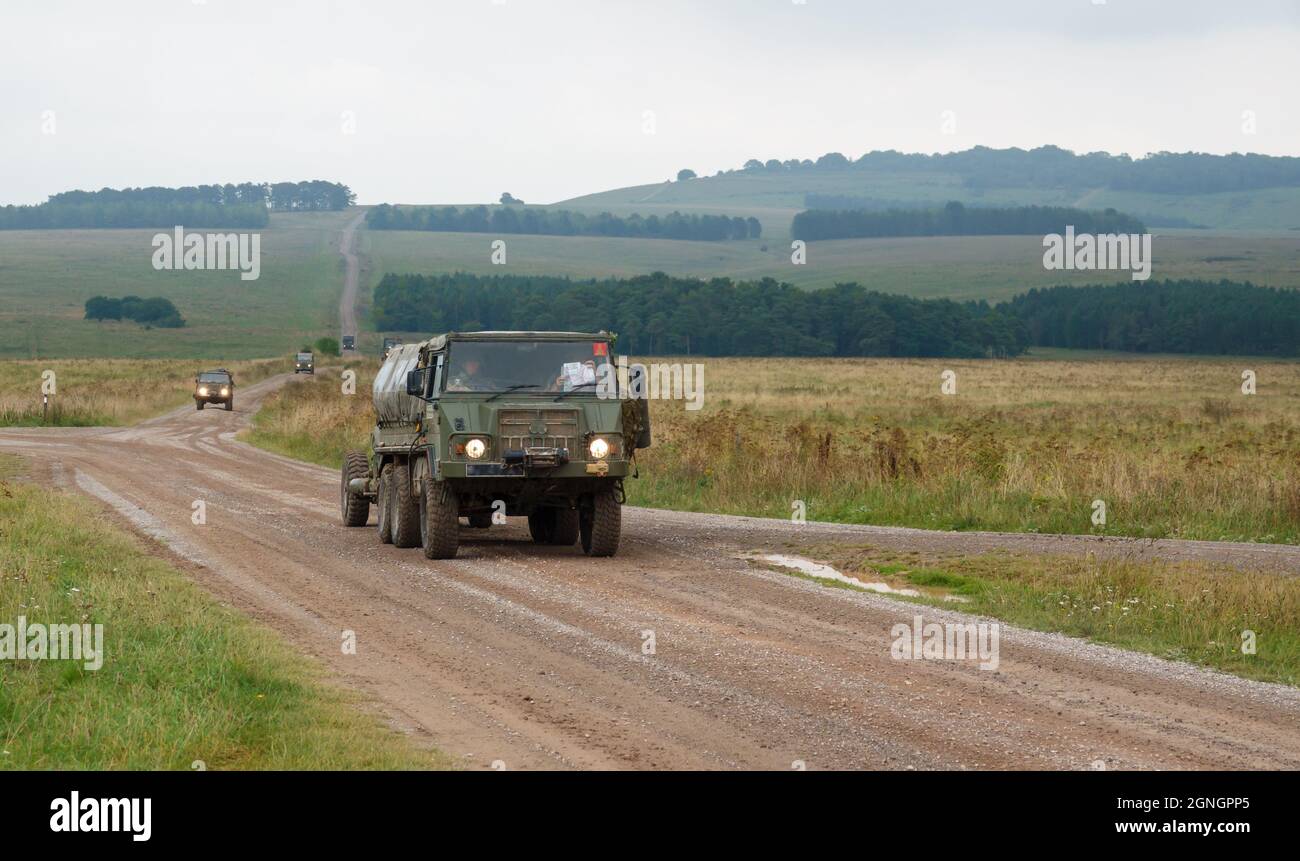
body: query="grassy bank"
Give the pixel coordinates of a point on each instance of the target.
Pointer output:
(1184, 612)
(1171, 446)
(183, 679)
(312, 419)
(111, 391)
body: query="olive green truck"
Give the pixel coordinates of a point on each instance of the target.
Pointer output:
(489, 425)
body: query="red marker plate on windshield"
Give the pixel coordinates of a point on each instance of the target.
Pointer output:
(600, 349)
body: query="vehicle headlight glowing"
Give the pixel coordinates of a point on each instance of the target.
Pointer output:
(599, 448)
(224, 391)
(475, 448)
(203, 391)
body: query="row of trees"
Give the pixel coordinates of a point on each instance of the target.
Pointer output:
(1054, 167)
(954, 219)
(1185, 316)
(243, 205)
(559, 222)
(660, 314)
(155, 311)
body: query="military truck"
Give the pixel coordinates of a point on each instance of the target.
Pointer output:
(389, 344)
(485, 425)
(304, 363)
(349, 342)
(214, 387)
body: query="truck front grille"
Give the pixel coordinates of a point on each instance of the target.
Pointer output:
(521, 429)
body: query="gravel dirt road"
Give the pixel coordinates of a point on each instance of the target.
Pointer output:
(535, 657)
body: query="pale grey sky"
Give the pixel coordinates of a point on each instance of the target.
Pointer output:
(460, 100)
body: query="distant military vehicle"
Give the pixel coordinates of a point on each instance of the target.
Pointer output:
(389, 344)
(214, 387)
(349, 342)
(304, 363)
(485, 425)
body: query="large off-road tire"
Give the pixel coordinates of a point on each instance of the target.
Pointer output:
(439, 521)
(384, 504)
(602, 524)
(541, 523)
(198, 405)
(354, 508)
(406, 509)
(554, 526)
(230, 405)
(566, 527)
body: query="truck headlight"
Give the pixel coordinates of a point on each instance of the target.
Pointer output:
(224, 392)
(203, 391)
(599, 448)
(475, 449)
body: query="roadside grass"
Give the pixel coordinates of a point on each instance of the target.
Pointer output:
(1190, 612)
(184, 680)
(311, 419)
(111, 391)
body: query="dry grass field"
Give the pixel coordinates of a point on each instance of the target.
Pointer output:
(1171, 446)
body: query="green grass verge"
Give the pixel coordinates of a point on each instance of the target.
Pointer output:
(183, 679)
(1188, 612)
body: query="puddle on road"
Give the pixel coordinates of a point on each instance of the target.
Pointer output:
(826, 572)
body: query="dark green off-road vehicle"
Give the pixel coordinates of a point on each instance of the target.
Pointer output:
(214, 387)
(486, 425)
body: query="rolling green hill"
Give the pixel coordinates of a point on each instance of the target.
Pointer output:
(47, 275)
(958, 267)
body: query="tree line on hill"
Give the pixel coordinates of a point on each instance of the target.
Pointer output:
(659, 314)
(559, 222)
(231, 205)
(1055, 168)
(954, 219)
(156, 311)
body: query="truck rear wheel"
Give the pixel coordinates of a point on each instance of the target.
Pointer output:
(384, 505)
(602, 524)
(406, 509)
(439, 521)
(355, 508)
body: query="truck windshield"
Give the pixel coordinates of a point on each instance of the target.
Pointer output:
(213, 378)
(529, 366)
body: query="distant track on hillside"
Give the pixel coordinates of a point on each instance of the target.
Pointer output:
(351, 278)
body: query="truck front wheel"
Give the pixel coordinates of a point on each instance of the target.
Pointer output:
(439, 521)
(355, 507)
(601, 524)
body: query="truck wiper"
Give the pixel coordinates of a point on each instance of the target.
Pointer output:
(513, 389)
(574, 389)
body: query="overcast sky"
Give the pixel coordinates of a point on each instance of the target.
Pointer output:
(460, 100)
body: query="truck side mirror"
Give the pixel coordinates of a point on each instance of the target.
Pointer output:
(641, 406)
(415, 382)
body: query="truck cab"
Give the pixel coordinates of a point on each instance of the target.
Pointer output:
(304, 363)
(488, 425)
